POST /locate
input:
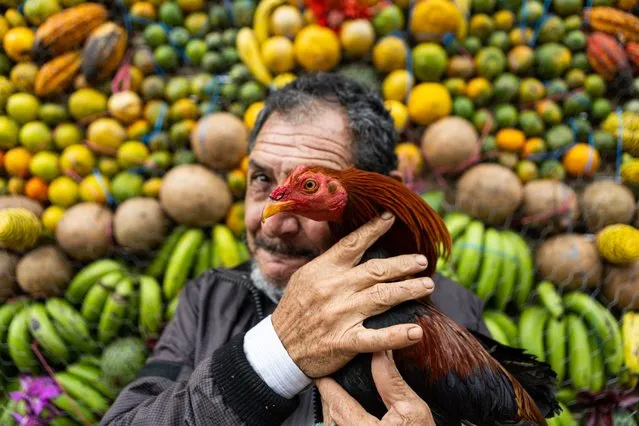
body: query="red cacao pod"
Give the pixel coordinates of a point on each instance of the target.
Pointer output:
(606, 55)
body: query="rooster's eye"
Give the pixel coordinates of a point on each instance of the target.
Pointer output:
(310, 185)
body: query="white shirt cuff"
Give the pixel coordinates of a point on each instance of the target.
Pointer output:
(268, 356)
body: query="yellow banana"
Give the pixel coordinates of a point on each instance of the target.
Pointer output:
(225, 245)
(262, 16)
(630, 332)
(249, 51)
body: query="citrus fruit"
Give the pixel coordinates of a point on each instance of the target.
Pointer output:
(37, 11)
(126, 185)
(433, 18)
(389, 54)
(455, 86)
(166, 57)
(184, 109)
(283, 79)
(504, 20)
(575, 78)
(520, 36)
(251, 92)
(399, 113)
(530, 12)
(16, 162)
(575, 40)
(581, 160)
(179, 132)
(67, 134)
(45, 165)
(481, 26)
(151, 187)
(506, 87)
(17, 43)
(552, 30)
(533, 146)
(521, 59)
(549, 111)
(601, 108)
(510, 139)
(429, 102)
(52, 114)
(357, 37)
(559, 136)
(463, 107)
(568, 7)
(429, 61)
(409, 157)
(595, 85)
(526, 171)
(6, 89)
(108, 166)
(8, 132)
(132, 154)
(317, 48)
(278, 54)
(35, 136)
(171, 14)
(480, 90)
(155, 35)
(389, 19)
(577, 103)
(51, 216)
(15, 186)
(177, 88)
(87, 102)
(531, 123)
(144, 10)
(191, 5)
(490, 62)
(77, 160)
(36, 189)
(63, 192)
(500, 40)
(198, 25)
(531, 90)
(94, 189)
(126, 106)
(23, 76)
(286, 21)
(251, 114)
(483, 120)
(23, 107)
(461, 66)
(505, 115)
(105, 135)
(195, 51)
(552, 60)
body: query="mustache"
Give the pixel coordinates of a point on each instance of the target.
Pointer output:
(283, 248)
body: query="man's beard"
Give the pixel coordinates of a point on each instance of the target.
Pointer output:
(272, 292)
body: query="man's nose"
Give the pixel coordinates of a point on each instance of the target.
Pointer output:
(282, 224)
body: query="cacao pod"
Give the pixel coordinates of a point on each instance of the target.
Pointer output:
(57, 75)
(606, 55)
(613, 21)
(103, 51)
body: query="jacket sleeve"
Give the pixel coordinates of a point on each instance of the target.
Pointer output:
(222, 389)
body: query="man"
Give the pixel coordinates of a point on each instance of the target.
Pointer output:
(240, 349)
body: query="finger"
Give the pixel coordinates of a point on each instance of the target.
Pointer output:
(390, 269)
(398, 336)
(349, 250)
(342, 408)
(389, 382)
(383, 296)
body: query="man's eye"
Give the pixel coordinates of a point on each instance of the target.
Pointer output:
(259, 177)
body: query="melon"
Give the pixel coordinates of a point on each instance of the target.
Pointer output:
(550, 204)
(44, 272)
(449, 142)
(569, 260)
(219, 140)
(85, 231)
(606, 202)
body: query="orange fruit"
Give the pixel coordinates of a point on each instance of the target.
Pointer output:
(389, 54)
(250, 116)
(36, 189)
(16, 186)
(510, 139)
(532, 147)
(409, 157)
(16, 162)
(317, 48)
(428, 102)
(581, 160)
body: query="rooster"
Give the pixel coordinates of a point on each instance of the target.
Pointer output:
(464, 376)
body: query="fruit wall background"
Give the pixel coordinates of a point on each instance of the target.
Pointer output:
(123, 141)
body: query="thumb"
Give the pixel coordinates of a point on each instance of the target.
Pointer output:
(390, 384)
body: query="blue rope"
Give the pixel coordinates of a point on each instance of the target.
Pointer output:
(157, 126)
(540, 21)
(102, 183)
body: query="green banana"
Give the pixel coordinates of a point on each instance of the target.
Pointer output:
(496, 332)
(62, 421)
(456, 223)
(133, 308)
(550, 298)
(92, 376)
(532, 323)
(526, 273)
(115, 311)
(490, 265)
(565, 417)
(508, 276)
(43, 330)
(553, 421)
(150, 307)
(171, 307)
(157, 267)
(75, 409)
(90, 360)
(70, 324)
(203, 259)
(181, 262)
(603, 322)
(243, 251)
(224, 242)
(19, 342)
(82, 392)
(87, 276)
(458, 248)
(556, 347)
(470, 258)
(507, 325)
(579, 352)
(598, 380)
(96, 297)
(566, 395)
(216, 258)
(7, 312)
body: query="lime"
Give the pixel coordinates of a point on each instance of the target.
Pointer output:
(243, 13)
(67, 134)
(505, 116)
(23, 107)
(229, 36)
(604, 141)
(35, 136)
(87, 102)
(108, 166)
(552, 169)
(472, 44)
(213, 62)
(213, 41)
(595, 85)
(171, 14)
(481, 120)
(575, 40)
(580, 61)
(552, 30)
(237, 109)
(6, 89)
(229, 91)
(490, 62)
(500, 40)
(230, 56)
(183, 109)
(530, 12)
(8, 132)
(159, 141)
(601, 108)
(143, 60)
(152, 87)
(239, 73)
(52, 114)
(504, 20)
(556, 87)
(483, 6)
(203, 85)
(572, 23)
(197, 24)
(191, 5)
(576, 103)
(161, 160)
(549, 111)
(166, 57)
(568, 7)
(481, 25)
(152, 187)
(489, 144)
(251, 92)
(531, 124)
(154, 35)
(218, 17)
(429, 61)
(207, 107)
(506, 87)
(455, 86)
(126, 185)
(23, 76)
(559, 136)
(177, 88)
(51, 216)
(77, 160)
(37, 11)
(531, 90)
(389, 19)
(63, 192)
(575, 78)
(195, 51)
(180, 132)
(45, 165)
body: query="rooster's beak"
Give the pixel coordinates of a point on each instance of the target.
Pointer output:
(272, 209)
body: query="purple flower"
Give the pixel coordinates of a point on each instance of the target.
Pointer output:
(36, 393)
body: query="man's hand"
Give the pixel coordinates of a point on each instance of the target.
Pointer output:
(320, 317)
(404, 406)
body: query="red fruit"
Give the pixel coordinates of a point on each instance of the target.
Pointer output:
(632, 49)
(606, 55)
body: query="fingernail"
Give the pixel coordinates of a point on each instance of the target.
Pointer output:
(387, 215)
(428, 283)
(421, 259)
(389, 355)
(415, 333)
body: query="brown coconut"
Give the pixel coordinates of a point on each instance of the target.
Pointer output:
(621, 285)
(449, 142)
(8, 283)
(18, 201)
(489, 192)
(194, 196)
(219, 140)
(44, 272)
(569, 260)
(85, 231)
(606, 202)
(139, 224)
(550, 204)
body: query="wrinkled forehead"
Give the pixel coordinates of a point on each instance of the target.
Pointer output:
(283, 144)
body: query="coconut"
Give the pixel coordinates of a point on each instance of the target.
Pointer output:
(621, 285)
(44, 272)
(194, 196)
(489, 192)
(569, 260)
(219, 140)
(8, 283)
(18, 201)
(139, 224)
(550, 204)
(606, 202)
(449, 142)
(84, 231)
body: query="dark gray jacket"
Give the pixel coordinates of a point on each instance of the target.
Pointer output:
(198, 373)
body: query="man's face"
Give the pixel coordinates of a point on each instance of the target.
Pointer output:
(285, 242)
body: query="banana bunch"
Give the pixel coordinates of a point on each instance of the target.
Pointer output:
(497, 265)
(262, 17)
(564, 418)
(248, 49)
(630, 334)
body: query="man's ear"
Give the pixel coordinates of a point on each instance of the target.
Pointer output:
(396, 174)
